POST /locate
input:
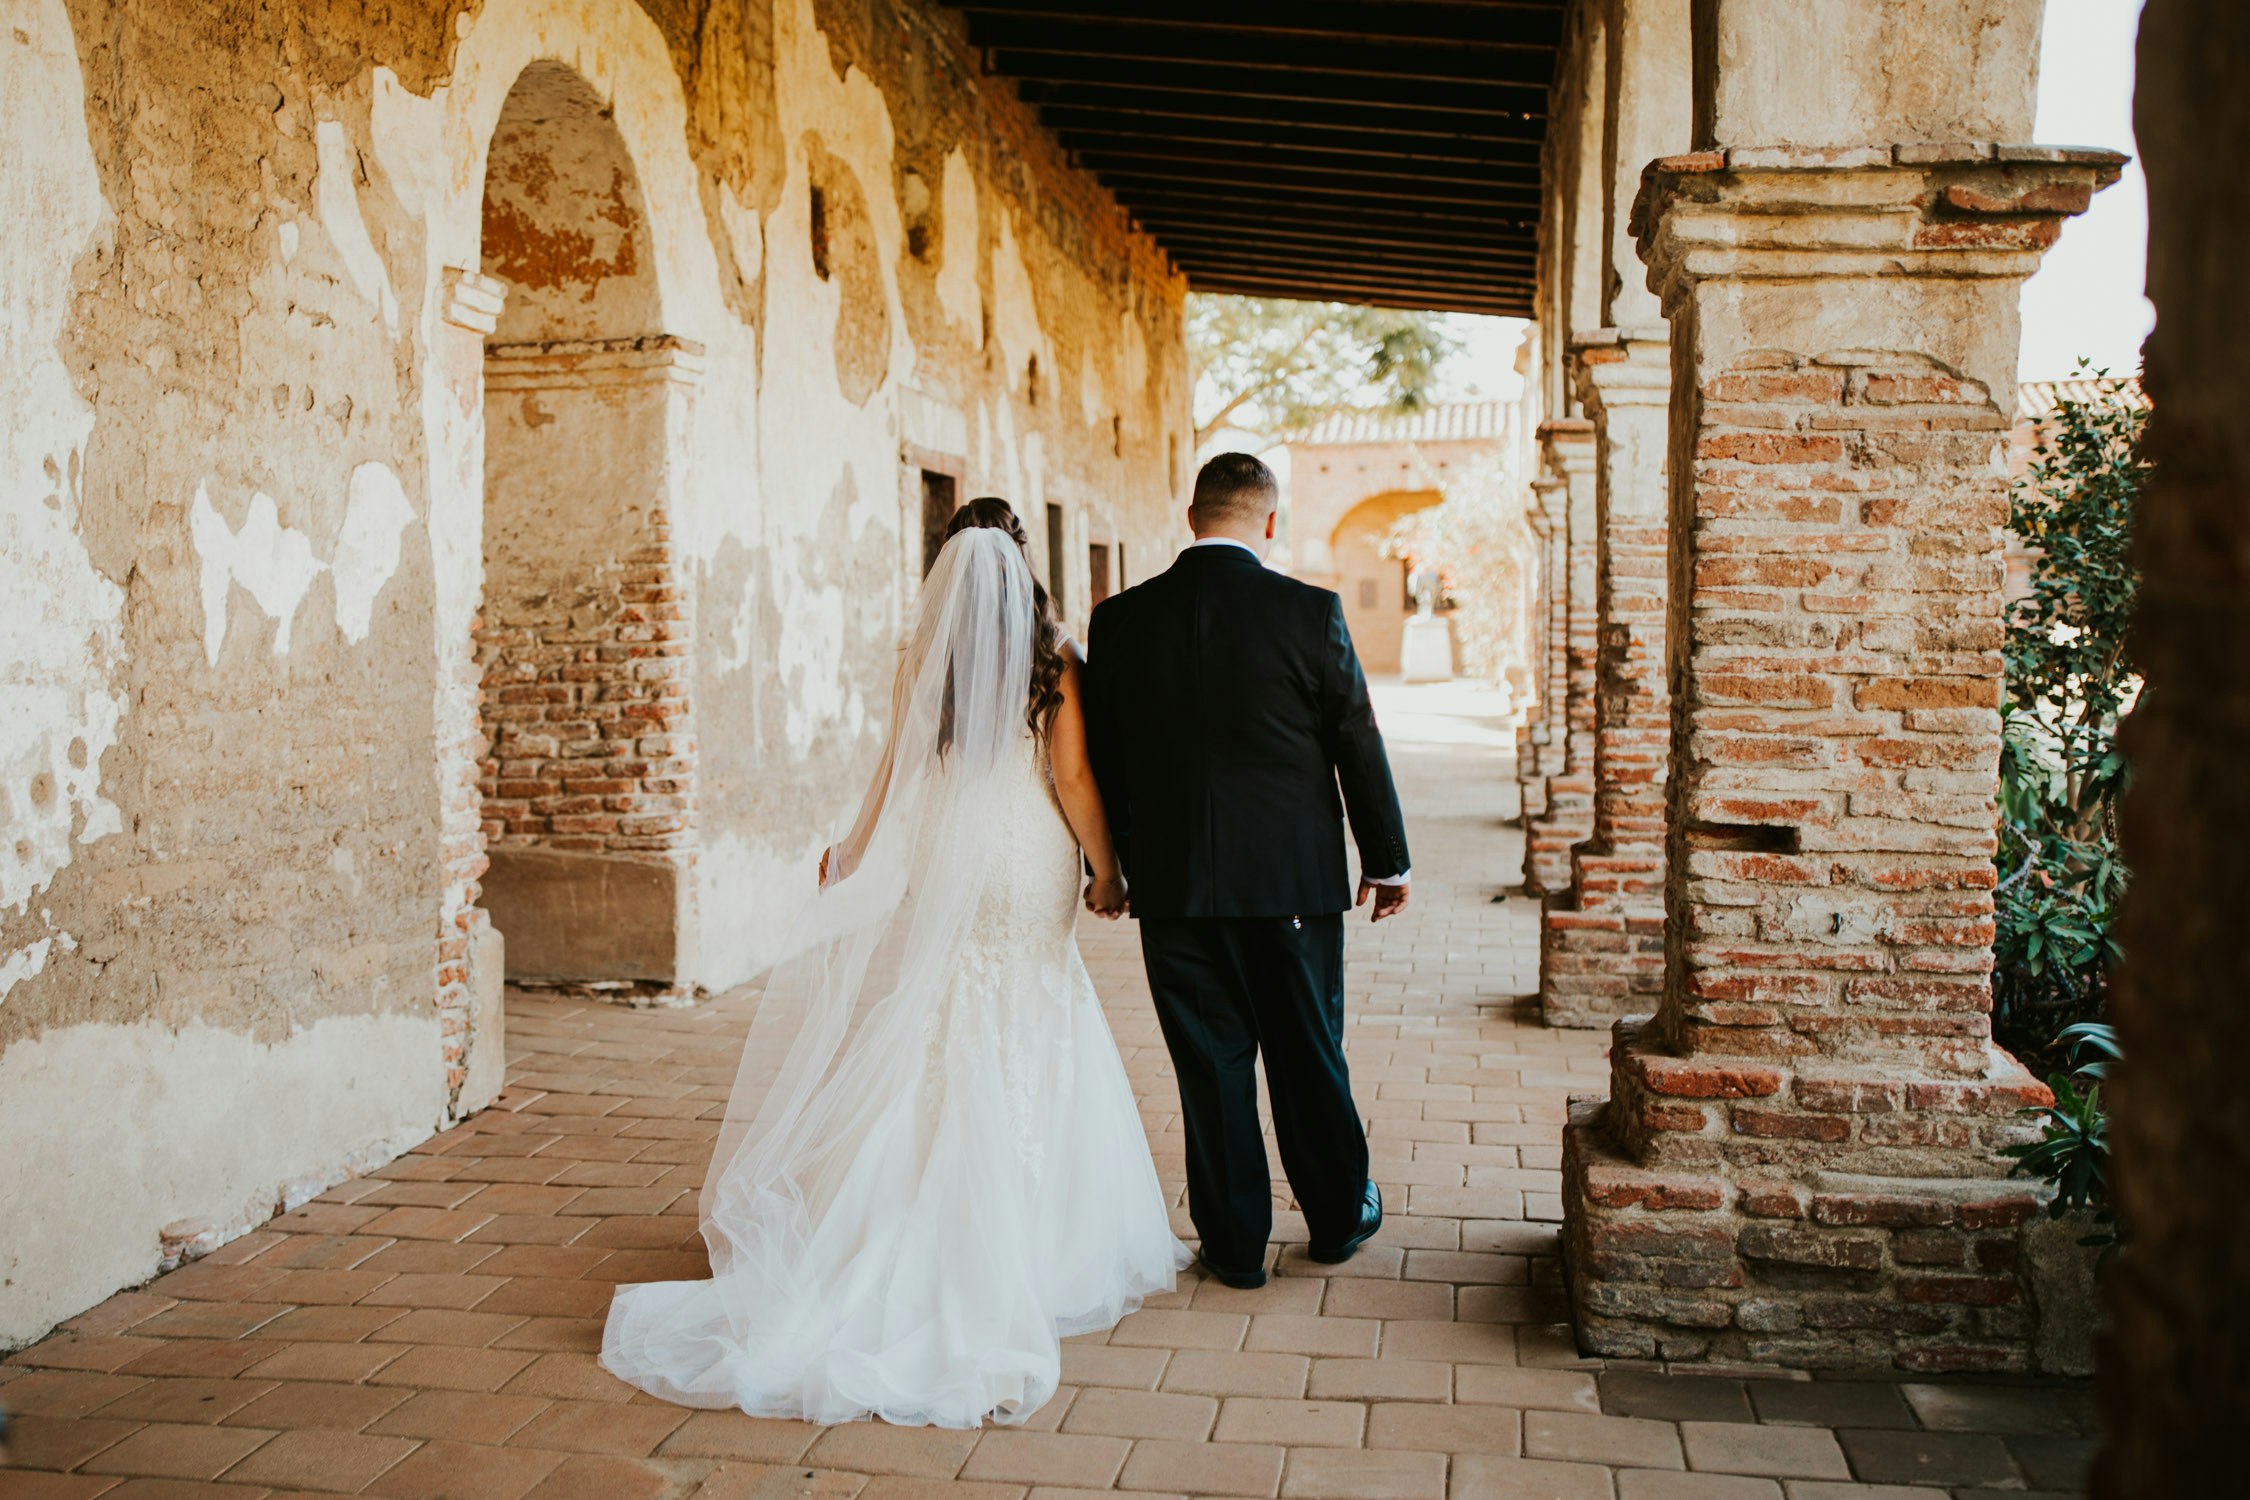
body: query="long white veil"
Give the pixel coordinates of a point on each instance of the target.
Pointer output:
(842, 1020)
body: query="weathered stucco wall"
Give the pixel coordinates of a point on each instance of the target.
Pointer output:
(242, 462)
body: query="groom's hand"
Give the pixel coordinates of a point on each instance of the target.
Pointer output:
(1390, 900)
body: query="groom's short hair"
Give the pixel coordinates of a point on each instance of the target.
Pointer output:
(1235, 488)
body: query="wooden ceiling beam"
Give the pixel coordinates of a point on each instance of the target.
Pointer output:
(1498, 305)
(1464, 62)
(1315, 188)
(1294, 158)
(1447, 95)
(1108, 129)
(1152, 101)
(1527, 24)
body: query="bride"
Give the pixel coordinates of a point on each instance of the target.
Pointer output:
(932, 1167)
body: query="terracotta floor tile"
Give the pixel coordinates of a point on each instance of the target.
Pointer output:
(1230, 1373)
(351, 1363)
(1046, 1458)
(178, 1451)
(1288, 1333)
(1380, 1380)
(430, 1367)
(879, 1448)
(1102, 1364)
(1507, 1385)
(312, 1458)
(1172, 1329)
(318, 1404)
(732, 1434)
(1142, 1414)
(584, 1478)
(576, 1377)
(210, 1359)
(184, 1400)
(1213, 1468)
(428, 1257)
(1425, 1427)
(343, 1325)
(65, 1393)
(1291, 1424)
(434, 1325)
(23, 1484)
(600, 1427)
(1484, 1476)
(1629, 1442)
(1353, 1474)
(53, 1442)
(462, 1471)
(474, 1417)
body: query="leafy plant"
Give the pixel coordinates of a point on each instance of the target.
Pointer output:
(1268, 366)
(2072, 1152)
(2070, 683)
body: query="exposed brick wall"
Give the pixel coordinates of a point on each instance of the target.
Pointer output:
(1798, 1162)
(1602, 939)
(1534, 736)
(1567, 811)
(586, 699)
(585, 644)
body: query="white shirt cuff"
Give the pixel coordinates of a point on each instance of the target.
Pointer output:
(1401, 878)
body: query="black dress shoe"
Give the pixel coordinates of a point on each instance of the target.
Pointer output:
(1370, 1220)
(1241, 1281)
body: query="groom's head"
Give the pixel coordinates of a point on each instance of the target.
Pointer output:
(1235, 496)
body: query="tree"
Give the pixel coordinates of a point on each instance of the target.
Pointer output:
(1267, 366)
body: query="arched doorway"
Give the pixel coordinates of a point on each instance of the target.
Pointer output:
(1374, 587)
(588, 780)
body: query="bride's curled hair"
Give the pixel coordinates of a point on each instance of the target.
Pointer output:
(1046, 634)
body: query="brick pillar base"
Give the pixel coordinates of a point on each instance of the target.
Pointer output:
(1797, 1163)
(1566, 815)
(1601, 946)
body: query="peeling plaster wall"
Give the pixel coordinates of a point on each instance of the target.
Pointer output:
(241, 476)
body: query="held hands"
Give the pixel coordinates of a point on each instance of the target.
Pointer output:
(1107, 898)
(1390, 900)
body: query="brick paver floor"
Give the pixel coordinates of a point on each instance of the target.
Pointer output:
(430, 1330)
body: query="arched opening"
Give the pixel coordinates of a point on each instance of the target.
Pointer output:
(1375, 589)
(588, 780)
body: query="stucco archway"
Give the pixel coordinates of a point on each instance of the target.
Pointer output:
(1373, 586)
(587, 782)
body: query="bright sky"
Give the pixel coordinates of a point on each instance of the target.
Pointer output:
(2086, 299)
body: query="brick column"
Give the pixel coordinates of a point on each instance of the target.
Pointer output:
(1536, 743)
(1797, 1161)
(1568, 812)
(1601, 950)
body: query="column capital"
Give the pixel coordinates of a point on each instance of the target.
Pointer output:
(1568, 445)
(1959, 211)
(1616, 367)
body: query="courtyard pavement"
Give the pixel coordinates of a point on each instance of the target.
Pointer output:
(429, 1331)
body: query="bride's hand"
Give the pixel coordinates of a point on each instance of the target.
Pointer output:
(1107, 898)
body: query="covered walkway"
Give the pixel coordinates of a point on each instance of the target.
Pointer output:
(429, 1331)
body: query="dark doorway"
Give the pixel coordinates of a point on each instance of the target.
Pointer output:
(1056, 572)
(1097, 572)
(941, 494)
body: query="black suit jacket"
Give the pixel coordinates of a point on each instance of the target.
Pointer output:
(1225, 709)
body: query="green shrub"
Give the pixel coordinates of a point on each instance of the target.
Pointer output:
(2070, 682)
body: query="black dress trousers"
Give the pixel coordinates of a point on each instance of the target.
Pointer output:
(1225, 987)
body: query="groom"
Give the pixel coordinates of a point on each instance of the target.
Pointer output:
(1226, 708)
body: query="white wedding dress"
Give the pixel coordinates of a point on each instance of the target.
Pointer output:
(946, 1172)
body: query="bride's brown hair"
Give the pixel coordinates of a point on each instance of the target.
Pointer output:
(1046, 635)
